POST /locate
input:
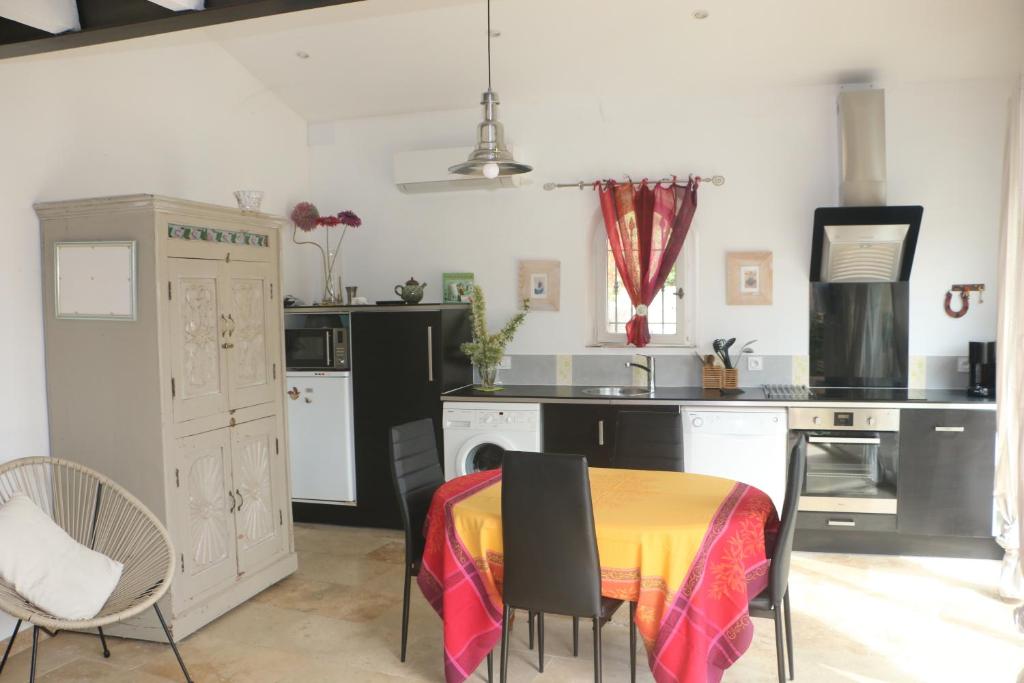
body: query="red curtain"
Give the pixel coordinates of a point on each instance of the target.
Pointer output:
(646, 228)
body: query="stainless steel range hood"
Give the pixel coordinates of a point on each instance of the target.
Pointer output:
(863, 240)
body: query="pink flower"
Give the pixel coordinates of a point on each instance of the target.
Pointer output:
(350, 219)
(305, 216)
(328, 221)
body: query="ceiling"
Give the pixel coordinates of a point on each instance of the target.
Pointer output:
(381, 57)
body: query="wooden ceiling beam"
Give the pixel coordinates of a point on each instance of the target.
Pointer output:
(107, 21)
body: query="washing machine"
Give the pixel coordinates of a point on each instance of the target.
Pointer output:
(476, 435)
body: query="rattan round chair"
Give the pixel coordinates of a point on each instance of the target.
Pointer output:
(103, 516)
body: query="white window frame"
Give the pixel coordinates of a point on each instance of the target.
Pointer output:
(686, 312)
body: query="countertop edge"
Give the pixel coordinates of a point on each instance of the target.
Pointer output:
(455, 396)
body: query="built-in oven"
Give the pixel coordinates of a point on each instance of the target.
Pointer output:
(852, 459)
(316, 348)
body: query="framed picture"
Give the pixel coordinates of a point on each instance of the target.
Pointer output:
(458, 287)
(540, 283)
(748, 276)
(95, 280)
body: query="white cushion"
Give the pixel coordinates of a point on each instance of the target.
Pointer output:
(49, 568)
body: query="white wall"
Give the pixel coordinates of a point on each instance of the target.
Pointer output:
(147, 116)
(777, 149)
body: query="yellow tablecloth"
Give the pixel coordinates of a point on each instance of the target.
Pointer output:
(690, 549)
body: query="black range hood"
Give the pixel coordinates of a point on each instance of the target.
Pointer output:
(864, 243)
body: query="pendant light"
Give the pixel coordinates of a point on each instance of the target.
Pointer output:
(490, 158)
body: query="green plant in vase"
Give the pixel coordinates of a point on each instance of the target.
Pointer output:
(486, 350)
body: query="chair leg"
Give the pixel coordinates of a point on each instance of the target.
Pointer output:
(540, 641)
(789, 635)
(10, 644)
(35, 647)
(505, 619)
(405, 610)
(529, 618)
(103, 642)
(632, 642)
(490, 667)
(575, 636)
(779, 644)
(167, 632)
(597, 650)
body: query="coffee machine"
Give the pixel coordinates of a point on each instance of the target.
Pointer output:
(982, 357)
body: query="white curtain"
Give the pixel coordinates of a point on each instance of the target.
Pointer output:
(1010, 383)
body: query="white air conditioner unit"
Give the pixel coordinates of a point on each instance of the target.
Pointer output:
(427, 171)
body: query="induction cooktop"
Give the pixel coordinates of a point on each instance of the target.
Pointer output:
(793, 392)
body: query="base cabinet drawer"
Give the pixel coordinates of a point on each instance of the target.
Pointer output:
(842, 521)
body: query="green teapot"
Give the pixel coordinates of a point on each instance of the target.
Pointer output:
(411, 292)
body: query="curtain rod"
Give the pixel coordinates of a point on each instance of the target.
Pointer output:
(716, 180)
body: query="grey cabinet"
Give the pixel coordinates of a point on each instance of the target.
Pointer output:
(183, 406)
(947, 472)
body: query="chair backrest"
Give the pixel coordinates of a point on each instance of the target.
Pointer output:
(101, 515)
(649, 441)
(550, 546)
(778, 579)
(416, 472)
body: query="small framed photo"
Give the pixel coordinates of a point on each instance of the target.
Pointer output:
(94, 280)
(748, 278)
(458, 288)
(539, 282)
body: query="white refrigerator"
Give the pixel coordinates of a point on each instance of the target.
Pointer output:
(320, 437)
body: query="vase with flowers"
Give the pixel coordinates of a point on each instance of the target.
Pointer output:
(306, 217)
(486, 350)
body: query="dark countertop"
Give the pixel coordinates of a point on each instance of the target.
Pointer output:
(907, 398)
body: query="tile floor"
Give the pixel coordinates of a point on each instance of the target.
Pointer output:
(856, 618)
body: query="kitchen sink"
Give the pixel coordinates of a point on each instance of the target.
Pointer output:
(617, 391)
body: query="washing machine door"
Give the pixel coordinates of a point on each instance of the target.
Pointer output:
(481, 453)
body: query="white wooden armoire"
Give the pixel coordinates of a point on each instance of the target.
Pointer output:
(176, 393)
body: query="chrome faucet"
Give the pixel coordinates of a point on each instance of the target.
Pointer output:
(650, 371)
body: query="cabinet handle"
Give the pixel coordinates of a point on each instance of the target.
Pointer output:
(233, 501)
(600, 432)
(949, 429)
(841, 522)
(231, 330)
(241, 500)
(430, 353)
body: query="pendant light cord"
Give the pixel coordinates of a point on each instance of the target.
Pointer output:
(488, 44)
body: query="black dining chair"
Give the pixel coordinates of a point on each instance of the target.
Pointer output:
(550, 546)
(773, 602)
(647, 440)
(417, 474)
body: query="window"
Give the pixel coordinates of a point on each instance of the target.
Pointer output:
(670, 317)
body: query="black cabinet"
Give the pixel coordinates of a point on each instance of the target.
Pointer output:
(946, 472)
(586, 429)
(402, 360)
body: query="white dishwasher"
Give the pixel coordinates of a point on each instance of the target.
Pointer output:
(320, 437)
(744, 444)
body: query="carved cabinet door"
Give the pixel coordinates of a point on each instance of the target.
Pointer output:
(199, 378)
(258, 475)
(252, 333)
(205, 512)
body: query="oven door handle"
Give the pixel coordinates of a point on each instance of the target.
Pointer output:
(870, 441)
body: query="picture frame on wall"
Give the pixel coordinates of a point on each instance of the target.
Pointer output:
(749, 278)
(540, 284)
(457, 288)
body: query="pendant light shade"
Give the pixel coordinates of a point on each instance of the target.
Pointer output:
(491, 157)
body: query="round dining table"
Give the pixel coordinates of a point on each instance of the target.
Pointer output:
(689, 549)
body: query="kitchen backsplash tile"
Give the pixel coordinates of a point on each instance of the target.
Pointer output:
(683, 370)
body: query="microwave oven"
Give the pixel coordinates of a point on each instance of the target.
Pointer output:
(316, 348)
